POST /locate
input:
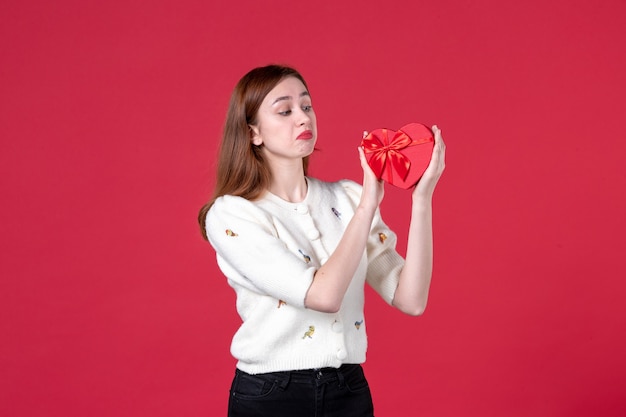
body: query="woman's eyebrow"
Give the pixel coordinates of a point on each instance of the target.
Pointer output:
(302, 94)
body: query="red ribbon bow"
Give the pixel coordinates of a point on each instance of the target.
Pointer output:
(383, 150)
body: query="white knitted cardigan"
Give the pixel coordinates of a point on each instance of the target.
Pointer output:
(269, 250)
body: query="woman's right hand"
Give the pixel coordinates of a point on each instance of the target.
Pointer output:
(332, 279)
(373, 188)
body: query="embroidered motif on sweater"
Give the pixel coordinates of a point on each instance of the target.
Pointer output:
(281, 303)
(307, 258)
(231, 233)
(382, 237)
(336, 213)
(357, 324)
(309, 333)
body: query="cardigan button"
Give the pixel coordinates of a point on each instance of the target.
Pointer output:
(313, 234)
(342, 354)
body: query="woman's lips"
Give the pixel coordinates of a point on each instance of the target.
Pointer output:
(307, 134)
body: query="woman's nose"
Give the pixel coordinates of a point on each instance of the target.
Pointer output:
(303, 118)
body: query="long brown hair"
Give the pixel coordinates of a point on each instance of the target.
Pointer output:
(241, 168)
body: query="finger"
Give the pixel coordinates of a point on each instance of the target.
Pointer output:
(361, 152)
(364, 164)
(365, 133)
(436, 132)
(438, 138)
(362, 156)
(438, 156)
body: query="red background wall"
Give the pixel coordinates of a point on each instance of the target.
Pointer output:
(110, 117)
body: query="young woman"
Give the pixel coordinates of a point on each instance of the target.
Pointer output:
(298, 252)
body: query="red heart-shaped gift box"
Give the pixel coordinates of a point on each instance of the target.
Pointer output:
(399, 157)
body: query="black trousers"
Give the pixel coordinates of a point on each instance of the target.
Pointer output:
(326, 392)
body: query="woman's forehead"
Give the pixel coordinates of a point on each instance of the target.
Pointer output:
(288, 89)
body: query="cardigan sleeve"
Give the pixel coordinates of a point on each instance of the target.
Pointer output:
(384, 263)
(251, 255)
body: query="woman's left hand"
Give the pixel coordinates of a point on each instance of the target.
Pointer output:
(426, 185)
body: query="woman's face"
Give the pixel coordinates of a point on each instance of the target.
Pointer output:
(286, 125)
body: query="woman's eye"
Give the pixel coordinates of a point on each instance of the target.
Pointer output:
(285, 112)
(307, 108)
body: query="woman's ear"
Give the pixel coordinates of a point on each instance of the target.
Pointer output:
(255, 135)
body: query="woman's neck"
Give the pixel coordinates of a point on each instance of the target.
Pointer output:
(289, 183)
